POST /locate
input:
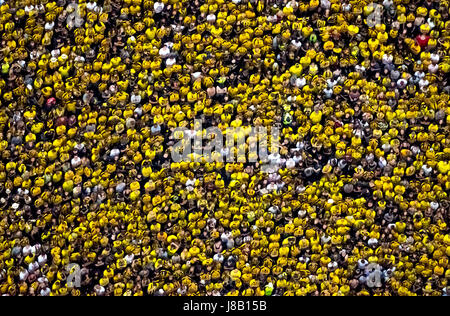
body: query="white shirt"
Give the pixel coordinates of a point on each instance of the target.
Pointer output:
(170, 62)
(218, 257)
(325, 239)
(225, 236)
(49, 26)
(120, 187)
(39, 7)
(433, 68)
(423, 83)
(129, 258)
(78, 59)
(138, 111)
(300, 82)
(42, 259)
(196, 75)
(190, 182)
(387, 59)
(211, 18)
(91, 5)
(426, 169)
(114, 153)
(328, 93)
(431, 23)
(26, 250)
(271, 18)
(164, 52)
(435, 58)
(45, 292)
(415, 150)
(382, 163)
(332, 265)
(290, 163)
(100, 290)
(388, 3)
(297, 158)
(331, 83)
(158, 6)
(372, 242)
(29, 8)
(76, 161)
(272, 187)
(325, 4)
(33, 266)
(23, 275)
(79, 146)
(156, 129)
(296, 43)
(419, 74)
(136, 99)
(360, 68)
(273, 209)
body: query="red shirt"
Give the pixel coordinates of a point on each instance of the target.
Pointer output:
(423, 40)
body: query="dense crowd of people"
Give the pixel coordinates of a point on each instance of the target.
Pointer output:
(90, 92)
